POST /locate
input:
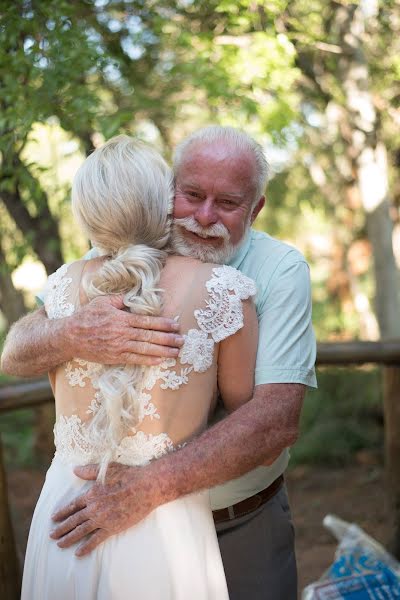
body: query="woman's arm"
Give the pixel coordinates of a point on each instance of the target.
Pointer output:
(237, 359)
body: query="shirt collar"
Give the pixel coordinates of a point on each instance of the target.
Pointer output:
(241, 252)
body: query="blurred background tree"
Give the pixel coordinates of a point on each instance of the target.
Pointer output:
(317, 82)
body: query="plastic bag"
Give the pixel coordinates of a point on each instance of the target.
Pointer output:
(362, 569)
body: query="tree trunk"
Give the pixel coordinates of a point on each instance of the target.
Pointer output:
(368, 155)
(12, 303)
(9, 567)
(392, 452)
(41, 229)
(380, 230)
(43, 445)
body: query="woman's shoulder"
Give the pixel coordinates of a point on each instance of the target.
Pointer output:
(183, 261)
(190, 263)
(225, 277)
(216, 274)
(184, 267)
(91, 265)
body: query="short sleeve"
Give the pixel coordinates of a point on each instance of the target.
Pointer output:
(287, 348)
(223, 316)
(61, 291)
(40, 296)
(56, 293)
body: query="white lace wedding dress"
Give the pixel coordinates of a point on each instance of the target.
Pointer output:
(173, 553)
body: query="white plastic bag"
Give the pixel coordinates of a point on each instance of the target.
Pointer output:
(362, 569)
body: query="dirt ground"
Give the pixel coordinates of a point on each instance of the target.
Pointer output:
(354, 493)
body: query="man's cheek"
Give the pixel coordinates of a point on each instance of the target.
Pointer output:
(182, 208)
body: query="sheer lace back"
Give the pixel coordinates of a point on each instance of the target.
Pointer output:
(175, 398)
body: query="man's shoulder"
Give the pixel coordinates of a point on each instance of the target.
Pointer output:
(267, 251)
(267, 260)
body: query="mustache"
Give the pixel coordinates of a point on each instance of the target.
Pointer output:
(217, 230)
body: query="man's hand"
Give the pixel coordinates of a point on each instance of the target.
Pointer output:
(126, 498)
(102, 332)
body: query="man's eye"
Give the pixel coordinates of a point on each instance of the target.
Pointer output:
(194, 194)
(227, 202)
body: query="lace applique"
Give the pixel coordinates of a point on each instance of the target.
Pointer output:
(146, 408)
(141, 448)
(85, 370)
(172, 381)
(56, 293)
(197, 350)
(72, 441)
(170, 378)
(156, 373)
(226, 277)
(94, 405)
(74, 445)
(224, 313)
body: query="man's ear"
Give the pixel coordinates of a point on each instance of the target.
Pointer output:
(257, 208)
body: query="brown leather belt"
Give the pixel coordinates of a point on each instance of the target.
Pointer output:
(249, 504)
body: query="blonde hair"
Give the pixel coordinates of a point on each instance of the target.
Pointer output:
(122, 198)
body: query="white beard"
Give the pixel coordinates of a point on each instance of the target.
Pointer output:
(204, 252)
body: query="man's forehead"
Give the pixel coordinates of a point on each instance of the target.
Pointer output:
(216, 150)
(217, 159)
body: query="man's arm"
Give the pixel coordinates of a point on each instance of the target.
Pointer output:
(98, 332)
(31, 346)
(264, 426)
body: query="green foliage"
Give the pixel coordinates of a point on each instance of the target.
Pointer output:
(272, 68)
(17, 436)
(44, 59)
(340, 418)
(2, 338)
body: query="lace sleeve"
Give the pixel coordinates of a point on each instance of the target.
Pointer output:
(223, 315)
(56, 294)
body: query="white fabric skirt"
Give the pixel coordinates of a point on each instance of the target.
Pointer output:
(172, 554)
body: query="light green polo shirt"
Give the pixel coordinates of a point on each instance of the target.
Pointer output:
(286, 347)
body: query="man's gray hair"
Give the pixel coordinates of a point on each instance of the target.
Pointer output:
(238, 138)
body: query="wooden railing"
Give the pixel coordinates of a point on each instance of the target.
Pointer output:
(30, 394)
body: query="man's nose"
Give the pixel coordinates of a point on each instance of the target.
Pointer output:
(206, 214)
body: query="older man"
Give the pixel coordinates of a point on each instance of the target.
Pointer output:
(220, 179)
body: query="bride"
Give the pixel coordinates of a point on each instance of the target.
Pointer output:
(122, 198)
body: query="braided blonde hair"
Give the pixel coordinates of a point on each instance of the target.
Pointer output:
(122, 198)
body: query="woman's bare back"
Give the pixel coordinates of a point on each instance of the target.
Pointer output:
(176, 397)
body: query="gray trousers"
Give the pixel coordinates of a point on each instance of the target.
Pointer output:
(258, 552)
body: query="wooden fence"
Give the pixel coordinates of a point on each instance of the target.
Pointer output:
(30, 394)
